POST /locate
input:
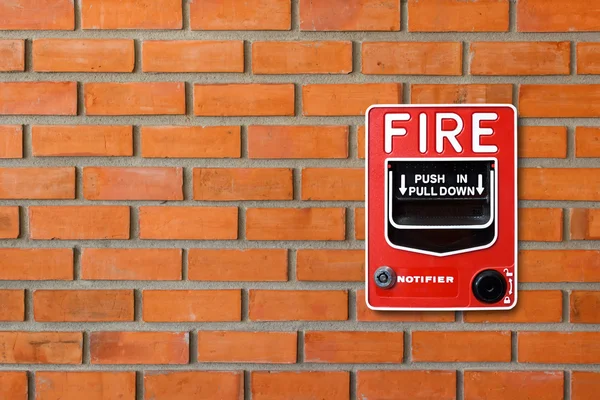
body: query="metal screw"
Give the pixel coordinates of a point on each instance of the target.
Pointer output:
(385, 277)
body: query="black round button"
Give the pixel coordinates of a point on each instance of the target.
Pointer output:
(489, 286)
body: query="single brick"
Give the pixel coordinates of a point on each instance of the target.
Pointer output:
(330, 265)
(83, 55)
(347, 99)
(458, 15)
(585, 307)
(363, 313)
(360, 141)
(461, 93)
(461, 346)
(243, 15)
(247, 347)
(131, 14)
(298, 305)
(517, 385)
(81, 140)
(226, 184)
(41, 347)
(186, 385)
(587, 142)
(412, 58)
(541, 224)
(244, 99)
(37, 15)
(37, 183)
(285, 385)
(12, 307)
(189, 223)
(406, 385)
(191, 142)
(359, 224)
(192, 305)
(560, 101)
(333, 184)
(559, 347)
(551, 16)
(353, 347)
(38, 98)
(131, 264)
(559, 266)
(542, 141)
(534, 306)
(233, 265)
(79, 222)
(559, 184)
(9, 222)
(585, 385)
(133, 183)
(12, 55)
(96, 385)
(349, 15)
(520, 58)
(139, 347)
(134, 98)
(13, 385)
(36, 264)
(585, 224)
(11, 141)
(322, 57)
(295, 224)
(82, 305)
(588, 58)
(193, 56)
(277, 142)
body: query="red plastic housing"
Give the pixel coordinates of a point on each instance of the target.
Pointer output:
(483, 138)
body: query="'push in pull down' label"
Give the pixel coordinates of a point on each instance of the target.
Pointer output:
(441, 179)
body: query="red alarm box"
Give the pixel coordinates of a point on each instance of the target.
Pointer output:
(441, 207)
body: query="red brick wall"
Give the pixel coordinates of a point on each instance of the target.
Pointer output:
(181, 198)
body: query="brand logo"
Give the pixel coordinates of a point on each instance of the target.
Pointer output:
(425, 279)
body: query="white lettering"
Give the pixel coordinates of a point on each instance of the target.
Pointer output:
(465, 191)
(424, 279)
(423, 133)
(440, 133)
(390, 131)
(478, 132)
(432, 178)
(449, 191)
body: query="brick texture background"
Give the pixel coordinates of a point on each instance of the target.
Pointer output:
(181, 198)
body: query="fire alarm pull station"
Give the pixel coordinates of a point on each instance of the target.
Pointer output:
(441, 213)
